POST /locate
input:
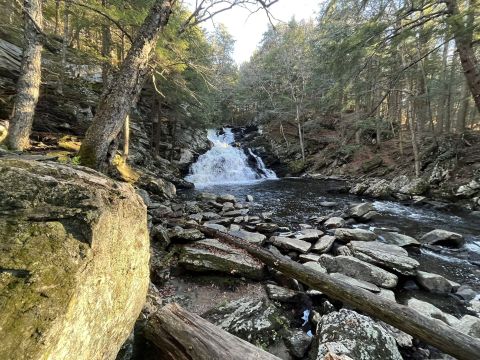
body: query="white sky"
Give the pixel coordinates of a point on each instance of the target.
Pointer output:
(248, 29)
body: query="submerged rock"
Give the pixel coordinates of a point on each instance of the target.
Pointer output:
(255, 320)
(348, 333)
(74, 260)
(386, 255)
(213, 255)
(443, 237)
(434, 283)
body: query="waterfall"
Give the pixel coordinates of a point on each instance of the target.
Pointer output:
(226, 163)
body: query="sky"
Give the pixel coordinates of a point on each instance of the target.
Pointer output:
(247, 29)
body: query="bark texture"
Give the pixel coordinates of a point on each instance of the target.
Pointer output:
(28, 85)
(124, 88)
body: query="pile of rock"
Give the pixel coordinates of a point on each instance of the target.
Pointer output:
(375, 260)
(401, 187)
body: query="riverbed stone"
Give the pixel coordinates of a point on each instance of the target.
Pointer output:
(226, 198)
(355, 282)
(334, 222)
(298, 342)
(469, 325)
(281, 294)
(204, 196)
(347, 333)
(324, 244)
(209, 215)
(257, 321)
(314, 265)
(345, 234)
(434, 283)
(343, 250)
(218, 227)
(359, 210)
(249, 198)
(398, 239)
(308, 257)
(212, 255)
(432, 311)
(290, 244)
(309, 235)
(386, 255)
(74, 260)
(469, 189)
(399, 182)
(179, 234)
(358, 269)
(266, 227)
(444, 238)
(252, 237)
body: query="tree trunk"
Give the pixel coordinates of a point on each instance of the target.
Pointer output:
(63, 70)
(181, 335)
(463, 41)
(106, 41)
(124, 88)
(432, 331)
(443, 98)
(300, 131)
(462, 111)
(28, 85)
(57, 15)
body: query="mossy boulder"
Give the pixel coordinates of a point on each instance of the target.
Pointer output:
(74, 257)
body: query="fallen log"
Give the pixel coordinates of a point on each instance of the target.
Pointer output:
(181, 335)
(431, 331)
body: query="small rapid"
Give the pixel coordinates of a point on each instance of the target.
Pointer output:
(226, 163)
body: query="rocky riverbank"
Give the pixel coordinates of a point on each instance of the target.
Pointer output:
(233, 290)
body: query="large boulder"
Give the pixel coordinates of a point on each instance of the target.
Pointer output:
(74, 257)
(398, 239)
(386, 255)
(358, 269)
(348, 333)
(416, 186)
(434, 283)
(255, 320)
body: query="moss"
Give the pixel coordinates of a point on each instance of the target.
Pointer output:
(296, 166)
(37, 275)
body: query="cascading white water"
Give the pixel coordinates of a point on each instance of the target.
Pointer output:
(226, 164)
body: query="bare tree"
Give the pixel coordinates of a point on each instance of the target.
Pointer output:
(28, 85)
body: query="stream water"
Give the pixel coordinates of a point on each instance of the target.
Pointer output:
(294, 200)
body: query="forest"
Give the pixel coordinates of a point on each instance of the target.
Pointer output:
(160, 199)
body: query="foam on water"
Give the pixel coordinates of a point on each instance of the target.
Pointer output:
(226, 163)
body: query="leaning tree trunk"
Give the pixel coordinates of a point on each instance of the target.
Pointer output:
(124, 88)
(463, 41)
(28, 85)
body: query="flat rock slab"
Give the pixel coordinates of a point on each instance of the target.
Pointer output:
(334, 222)
(291, 244)
(386, 255)
(324, 244)
(360, 270)
(315, 266)
(345, 234)
(309, 235)
(354, 282)
(213, 255)
(444, 238)
(253, 237)
(308, 257)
